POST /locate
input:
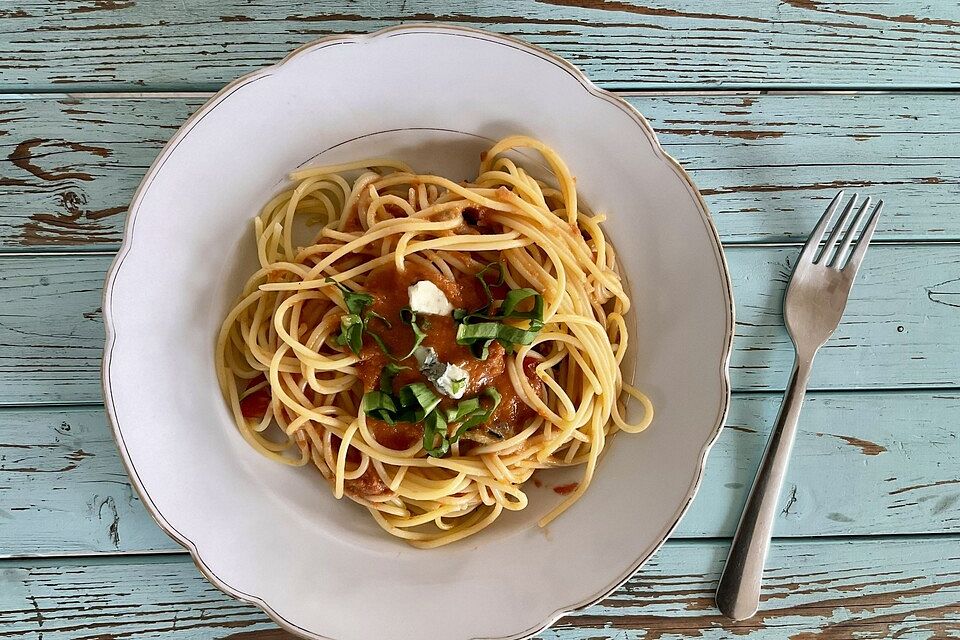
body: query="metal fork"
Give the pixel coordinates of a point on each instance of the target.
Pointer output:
(812, 307)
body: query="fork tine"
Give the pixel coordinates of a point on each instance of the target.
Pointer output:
(825, 254)
(864, 241)
(810, 247)
(841, 255)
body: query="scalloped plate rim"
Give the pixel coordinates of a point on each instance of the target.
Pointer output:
(221, 95)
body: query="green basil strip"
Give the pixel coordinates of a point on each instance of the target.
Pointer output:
(379, 405)
(479, 416)
(434, 428)
(351, 332)
(470, 333)
(515, 297)
(374, 314)
(386, 378)
(462, 410)
(356, 302)
(409, 317)
(481, 349)
(380, 343)
(418, 394)
(456, 386)
(486, 285)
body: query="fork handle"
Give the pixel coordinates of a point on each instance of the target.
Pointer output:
(738, 594)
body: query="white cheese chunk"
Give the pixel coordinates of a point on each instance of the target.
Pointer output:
(449, 379)
(427, 362)
(453, 382)
(426, 297)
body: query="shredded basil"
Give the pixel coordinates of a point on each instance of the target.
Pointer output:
(434, 428)
(486, 285)
(418, 400)
(505, 333)
(479, 328)
(379, 405)
(389, 373)
(412, 403)
(356, 302)
(351, 332)
(410, 318)
(380, 343)
(352, 325)
(477, 416)
(463, 410)
(373, 314)
(481, 349)
(457, 385)
(417, 403)
(515, 297)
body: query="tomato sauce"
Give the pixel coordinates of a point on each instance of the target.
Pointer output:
(566, 489)
(389, 290)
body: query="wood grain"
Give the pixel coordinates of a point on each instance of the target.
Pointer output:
(900, 329)
(767, 164)
(127, 45)
(826, 589)
(63, 488)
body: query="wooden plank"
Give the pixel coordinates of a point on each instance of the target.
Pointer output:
(900, 328)
(824, 589)
(51, 331)
(895, 456)
(63, 489)
(124, 45)
(766, 164)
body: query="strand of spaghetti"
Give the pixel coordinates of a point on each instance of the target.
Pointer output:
(461, 465)
(578, 250)
(478, 196)
(647, 411)
(425, 517)
(378, 449)
(557, 165)
(333, 169)
(346, 438)
(283, 328)
(380, 230)
(311, 357)
(409, 489)
(491, 242)
(573, 241)
(267, 448)
(482, 521)
(379, 203)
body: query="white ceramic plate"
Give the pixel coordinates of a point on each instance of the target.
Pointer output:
(433, 96)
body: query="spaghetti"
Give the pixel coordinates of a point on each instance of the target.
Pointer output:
(435, 343)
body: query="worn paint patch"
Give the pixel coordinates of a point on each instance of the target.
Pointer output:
(866, 447)
(30, 154)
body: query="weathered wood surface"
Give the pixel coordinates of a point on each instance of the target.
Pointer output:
(868, 464)
(127, 44)
(824, 589)
(896, 452)
(901, 328)
(765, 163)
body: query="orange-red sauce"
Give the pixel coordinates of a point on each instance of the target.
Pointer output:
(389, 290)
(566, 489)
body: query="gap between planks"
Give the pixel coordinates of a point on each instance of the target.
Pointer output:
(625, 92)
(182, 555)
(208, 90)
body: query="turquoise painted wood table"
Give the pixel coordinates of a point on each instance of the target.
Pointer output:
(772, 106)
